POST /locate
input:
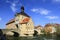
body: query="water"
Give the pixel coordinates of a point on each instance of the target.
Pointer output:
(41, 37)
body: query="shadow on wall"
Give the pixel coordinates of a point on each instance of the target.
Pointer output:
(15, 34)
(35, 33)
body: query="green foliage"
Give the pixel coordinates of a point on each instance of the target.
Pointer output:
(58, 30)
(43, 31)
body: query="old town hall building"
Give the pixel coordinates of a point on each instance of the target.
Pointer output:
(22, 22)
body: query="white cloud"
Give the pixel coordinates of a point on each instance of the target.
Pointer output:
(13, 7)
(54, 1)
(42, 11)
(58, 1)
(13, 4)
(52, 17)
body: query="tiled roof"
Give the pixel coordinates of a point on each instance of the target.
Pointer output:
(47, 25)
(38, 26)
(11, 21)
(57, 25)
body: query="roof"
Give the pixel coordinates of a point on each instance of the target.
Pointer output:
(11, 21)
(47, 25)
(57, 25)
(38, 26)
(22, 13)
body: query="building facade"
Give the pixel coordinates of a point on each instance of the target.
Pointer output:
(23, 23)
(11, 24)
(39, 29)
(51, 28)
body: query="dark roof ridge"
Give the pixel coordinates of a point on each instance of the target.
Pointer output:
(22, 13)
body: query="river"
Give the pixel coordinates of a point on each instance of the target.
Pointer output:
(41, 37)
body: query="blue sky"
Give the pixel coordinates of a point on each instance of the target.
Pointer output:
(41, 11)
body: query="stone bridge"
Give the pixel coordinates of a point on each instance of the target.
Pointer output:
(10, 31)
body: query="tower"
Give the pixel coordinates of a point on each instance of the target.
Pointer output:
(24, 23)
